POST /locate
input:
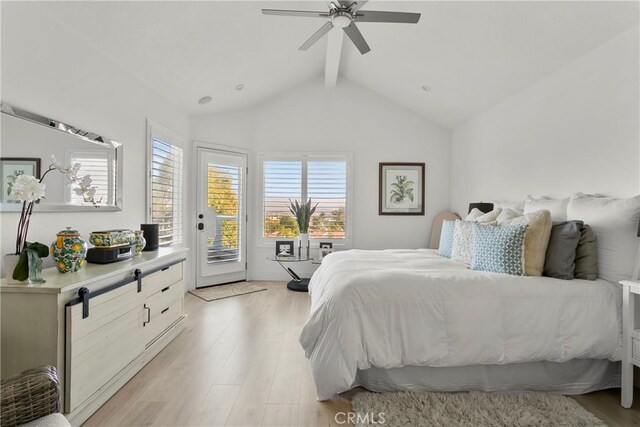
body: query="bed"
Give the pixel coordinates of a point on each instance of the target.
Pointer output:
(412, 320)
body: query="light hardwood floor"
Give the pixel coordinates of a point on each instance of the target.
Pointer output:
(238, 363)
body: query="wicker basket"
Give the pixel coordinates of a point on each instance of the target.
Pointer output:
(31, 395)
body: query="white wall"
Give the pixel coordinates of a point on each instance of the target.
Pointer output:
(576, 130)
(49, 70)
(349, 118)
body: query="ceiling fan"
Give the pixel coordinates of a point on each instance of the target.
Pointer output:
(345, 14)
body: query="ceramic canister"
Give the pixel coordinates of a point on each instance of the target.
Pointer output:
(69, 251)
(138, 242)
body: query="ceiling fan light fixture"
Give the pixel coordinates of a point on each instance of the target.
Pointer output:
(204, 100)
(341, 19)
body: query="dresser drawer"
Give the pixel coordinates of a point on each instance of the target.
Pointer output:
(162, 320)
(635, 348)
(161, 279)
(164, 298)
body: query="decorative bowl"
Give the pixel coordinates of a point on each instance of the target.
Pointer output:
(112, 238)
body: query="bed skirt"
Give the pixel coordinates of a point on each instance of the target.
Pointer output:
(576, 376)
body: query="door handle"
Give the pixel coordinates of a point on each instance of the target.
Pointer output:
(200, 226)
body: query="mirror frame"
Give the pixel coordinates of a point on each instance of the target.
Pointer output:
(56, 125)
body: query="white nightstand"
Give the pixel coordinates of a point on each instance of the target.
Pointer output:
(630, 337)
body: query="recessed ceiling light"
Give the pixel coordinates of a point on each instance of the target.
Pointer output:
(204, 100)
(426, 88)
(240, 86)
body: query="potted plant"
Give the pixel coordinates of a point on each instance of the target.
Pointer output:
(26, 262)
(303, 213)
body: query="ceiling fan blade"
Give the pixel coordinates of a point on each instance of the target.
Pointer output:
(303, 13)
(394, 17)
(356, 37)
(358, 5)
(317, 36)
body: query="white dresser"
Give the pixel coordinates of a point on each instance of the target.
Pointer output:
(98, 326)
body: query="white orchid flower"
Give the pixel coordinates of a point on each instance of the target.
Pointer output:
(54, 163)
(27, 188)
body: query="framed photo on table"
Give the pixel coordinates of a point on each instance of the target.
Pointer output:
(401, 189)
(284, 248)
(11, 168)
(325, 248)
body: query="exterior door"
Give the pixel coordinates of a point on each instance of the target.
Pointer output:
(221, 217)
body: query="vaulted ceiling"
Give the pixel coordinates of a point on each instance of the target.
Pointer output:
(471, 55)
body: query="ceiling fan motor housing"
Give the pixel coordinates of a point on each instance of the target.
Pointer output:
(341, 19)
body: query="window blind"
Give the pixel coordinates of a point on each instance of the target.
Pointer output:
(166, 190)
(282, 181)
(99, 166)
(327, 185)
(324, 181)
(224, 194)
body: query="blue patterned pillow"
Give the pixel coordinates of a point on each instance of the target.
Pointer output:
(446, 238)
(499, 249)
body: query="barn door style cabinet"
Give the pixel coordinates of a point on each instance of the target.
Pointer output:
(98, 326)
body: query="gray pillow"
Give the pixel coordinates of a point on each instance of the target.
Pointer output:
(587, 255)
(561, 251)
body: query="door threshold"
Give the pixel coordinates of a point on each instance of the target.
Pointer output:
(221, 284)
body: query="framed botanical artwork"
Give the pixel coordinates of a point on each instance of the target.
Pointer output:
(401, 189)
(11, 168)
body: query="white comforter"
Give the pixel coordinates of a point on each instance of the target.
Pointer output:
(412, 307)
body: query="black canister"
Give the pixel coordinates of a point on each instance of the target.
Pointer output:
(150, 233)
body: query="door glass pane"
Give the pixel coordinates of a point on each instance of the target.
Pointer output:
(224, 193)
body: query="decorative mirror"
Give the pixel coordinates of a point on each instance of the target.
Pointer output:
(88, 174)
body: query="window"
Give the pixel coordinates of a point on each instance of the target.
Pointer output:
(165, 185)
(100, 166)
(322, 178)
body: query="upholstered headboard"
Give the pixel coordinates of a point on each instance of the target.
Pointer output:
(436, 228)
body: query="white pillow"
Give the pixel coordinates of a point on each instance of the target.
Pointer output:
(476, 215)
(462, 250)
(507, 215)
(558, 208)
(516, 206)
(615, 223)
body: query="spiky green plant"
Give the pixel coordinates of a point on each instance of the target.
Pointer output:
(402, 189)
(302, 212)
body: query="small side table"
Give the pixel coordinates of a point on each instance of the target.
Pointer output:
(630, 337)
(297, 283)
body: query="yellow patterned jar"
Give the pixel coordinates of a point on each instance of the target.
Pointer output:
(138, 242)
(69, 251)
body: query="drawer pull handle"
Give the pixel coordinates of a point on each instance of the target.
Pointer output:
(148, 316)
(165, 289)
(165, 310)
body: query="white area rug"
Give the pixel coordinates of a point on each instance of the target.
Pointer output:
(404, 409)
(226, 291)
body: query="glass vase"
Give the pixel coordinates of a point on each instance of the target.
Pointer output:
(35, 267)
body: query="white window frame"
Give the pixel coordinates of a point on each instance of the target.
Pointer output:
(166, 135)
(309, 156)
